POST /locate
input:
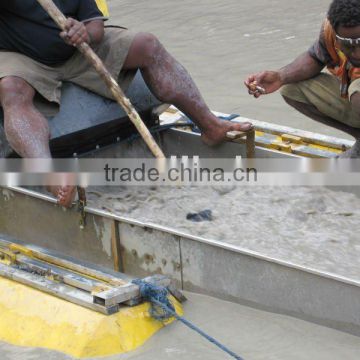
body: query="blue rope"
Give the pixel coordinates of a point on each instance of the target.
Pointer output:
(163, 309)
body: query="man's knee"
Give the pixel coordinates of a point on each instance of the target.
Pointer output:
(287, 99)
(354, 117)
(15, 91)
(355, 103)
(148, 45)
(292, 93)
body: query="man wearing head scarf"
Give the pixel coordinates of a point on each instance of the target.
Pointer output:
(332, 97)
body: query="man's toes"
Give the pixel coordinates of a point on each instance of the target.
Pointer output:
(66, 196)
(246, 126)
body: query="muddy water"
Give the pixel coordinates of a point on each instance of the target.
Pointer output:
(254, 334)
(221, 42)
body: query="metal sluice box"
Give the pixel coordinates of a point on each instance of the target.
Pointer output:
(84, 284)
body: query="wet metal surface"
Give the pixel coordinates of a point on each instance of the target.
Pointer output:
(45, 224)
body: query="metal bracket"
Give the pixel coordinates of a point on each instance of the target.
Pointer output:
(240, 137)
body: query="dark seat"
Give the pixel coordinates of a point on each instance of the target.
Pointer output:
(86, 120)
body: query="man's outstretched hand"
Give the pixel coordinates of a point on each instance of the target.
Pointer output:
(75, 32)
(263, 83)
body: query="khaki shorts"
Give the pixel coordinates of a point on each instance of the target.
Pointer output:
(323, 92)
(47, 80)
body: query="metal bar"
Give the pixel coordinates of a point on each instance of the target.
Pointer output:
(60, 290)
(117, 295)
(115, 245)
(238, 137)
(69, 265)
(307, 136)
(75, 280)
(250, 144)
(130, 291)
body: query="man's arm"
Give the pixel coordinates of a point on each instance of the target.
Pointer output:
(95, 29)
(91, 32)
(302, 68)
(306, 66)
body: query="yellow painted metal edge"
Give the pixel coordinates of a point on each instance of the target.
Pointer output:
(282, 142)
(289, 144)
(31, 318)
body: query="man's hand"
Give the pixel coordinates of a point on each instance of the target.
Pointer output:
(75, 33)
(263, 83)
(304, 67)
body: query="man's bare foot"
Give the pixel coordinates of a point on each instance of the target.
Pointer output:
(65, 195)
(353, 152)
(216, 134)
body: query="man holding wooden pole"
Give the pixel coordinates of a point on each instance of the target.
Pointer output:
(34, 59)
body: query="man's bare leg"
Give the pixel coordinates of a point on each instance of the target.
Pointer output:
(171, 83)
(26, 129)
(313, 113)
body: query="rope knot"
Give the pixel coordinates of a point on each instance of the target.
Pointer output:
(162, 308)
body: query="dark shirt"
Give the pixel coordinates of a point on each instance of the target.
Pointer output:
(26, 28)
(319, 52)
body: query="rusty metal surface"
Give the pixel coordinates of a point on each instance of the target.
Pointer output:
(146, 251)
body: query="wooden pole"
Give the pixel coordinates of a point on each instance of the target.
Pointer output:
(112, 84)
